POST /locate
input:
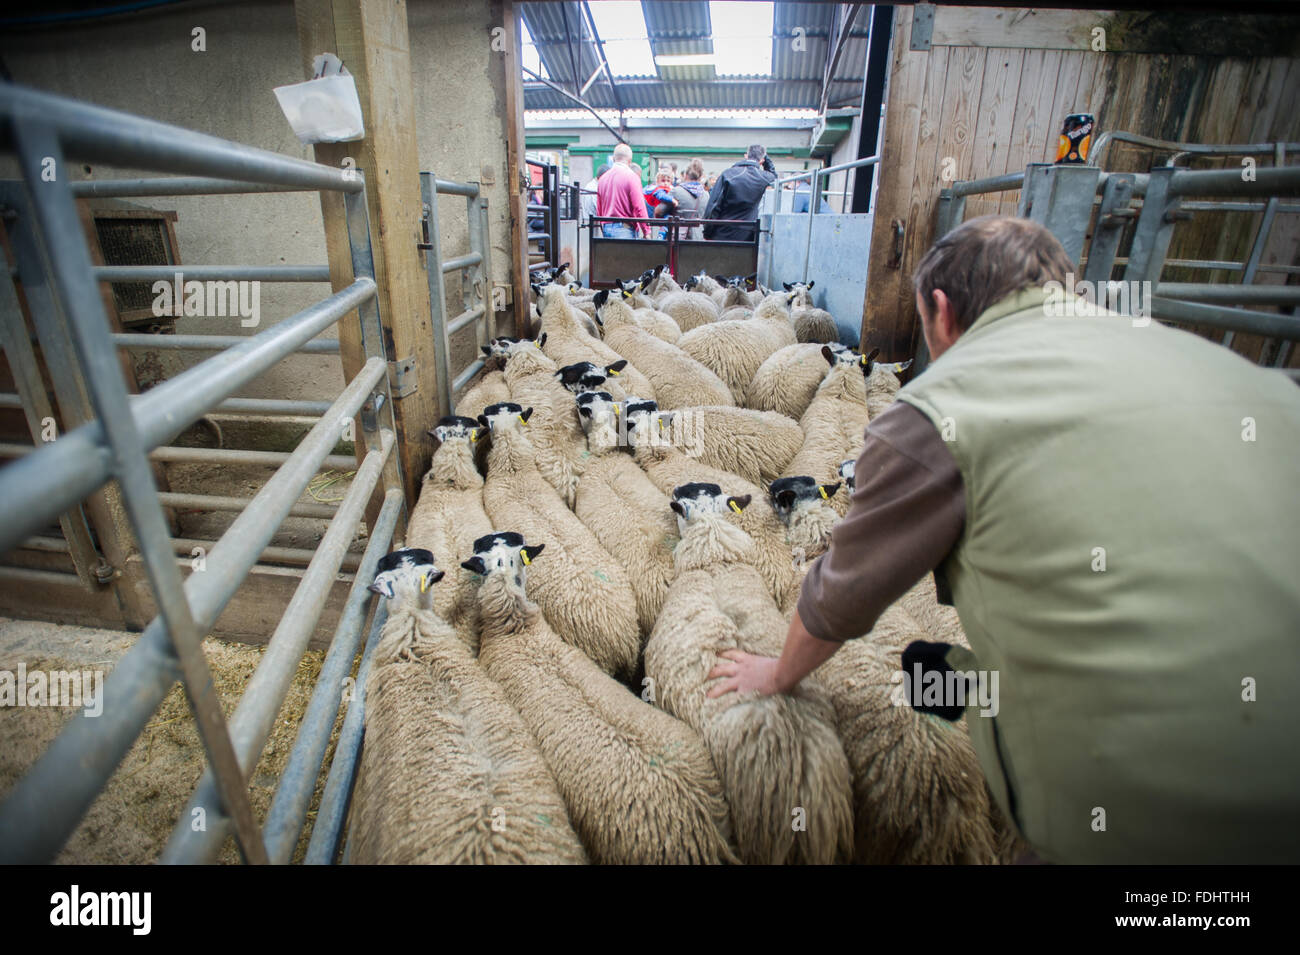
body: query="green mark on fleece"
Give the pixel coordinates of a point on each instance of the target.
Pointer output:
(543, 819)
(600, 575)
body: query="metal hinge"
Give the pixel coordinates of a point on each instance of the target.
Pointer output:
(922, 26)
(401, 377)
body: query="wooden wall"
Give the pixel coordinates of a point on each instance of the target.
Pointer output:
(990, 96)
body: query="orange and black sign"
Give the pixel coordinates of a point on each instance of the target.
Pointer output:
(1076, 139)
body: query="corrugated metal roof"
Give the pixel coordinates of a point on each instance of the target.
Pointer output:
(799, 53)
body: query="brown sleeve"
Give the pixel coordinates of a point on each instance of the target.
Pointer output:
(907, 512)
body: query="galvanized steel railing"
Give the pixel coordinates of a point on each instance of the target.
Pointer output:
(814, 201)
(475, 269)
(114, 440)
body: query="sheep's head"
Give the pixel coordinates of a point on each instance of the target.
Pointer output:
(505, 346)
(799, 292)
(598, 412)
(848, 356)
(457, 428)
(405, 578)
(504, 416)
(692, 502)
(649, 276)
(503, 553)
(847, 470)
(587, 376)
(897, 367)
(789, 494)
(644, 422)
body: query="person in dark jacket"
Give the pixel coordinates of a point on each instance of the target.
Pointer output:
(737, 195)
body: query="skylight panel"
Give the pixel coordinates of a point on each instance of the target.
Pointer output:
(622, 29)
(742, 38)
(529, 56)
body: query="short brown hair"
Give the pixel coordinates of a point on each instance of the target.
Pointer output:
(695, 169)
(982, 261)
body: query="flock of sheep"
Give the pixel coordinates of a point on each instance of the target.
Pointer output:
(633, 492)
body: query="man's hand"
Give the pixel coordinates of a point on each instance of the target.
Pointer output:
(744, 673)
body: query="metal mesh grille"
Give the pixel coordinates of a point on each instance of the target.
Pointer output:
(133, 242)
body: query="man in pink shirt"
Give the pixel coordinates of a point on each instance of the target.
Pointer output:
(618, 193)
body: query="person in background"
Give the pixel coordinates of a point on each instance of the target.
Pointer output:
(618, 193)
(672, 168)
(587, 204)
(738, 194)
(691, 197)
(708, 186)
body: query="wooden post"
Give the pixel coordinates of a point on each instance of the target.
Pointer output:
(516, 176)
(370, 37)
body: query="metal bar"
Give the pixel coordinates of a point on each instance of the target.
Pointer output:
(95, 133)
(79, 462)
(536, 207)
(814, 202)
(581, 102)
(1224, 294)
(57, 220)
(1200, 149)
(293, 795)
(234, 273)
(1218, 316)
(1113, 216)
(1211, 206)
(465, 376)
(332, 813)
(175, 186)
(446, 187)
(333, 462)
(485, 247)
(856, 163)
(11, 401)
(1268, 182)
(46, 805)
(316, 346)
(215, 502)
(1256, 253)
(264, 695)
(464, 318)
(461, 262)
(47, 545)
(273, 406)
(437, 296)
(1155, 229)
(298, 556)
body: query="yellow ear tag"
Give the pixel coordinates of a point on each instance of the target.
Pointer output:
(473, 435)
(862, 360)
(615, 407)
(613, 372)
(536, 344)
(524, 555)
(898, 366)
(822, 488)
(523, 419)
(424, 582)
(734, 506)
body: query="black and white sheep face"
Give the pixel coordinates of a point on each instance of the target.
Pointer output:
(848, 471)
(646, 279)
(505, 346)
(457, 428)
(597, 409)
(692, 501)
(586, 376)
(789, 494)
(505, 553)
(405, 578)
(646, 424)
(848, 356)
(504, 415)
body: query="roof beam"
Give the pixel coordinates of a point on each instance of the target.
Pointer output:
(841, 32)
(581, 102)
(600, 53)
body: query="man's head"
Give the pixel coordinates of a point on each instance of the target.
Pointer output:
(623, 153)
(604, 168)
(694, 170)
(756, 153)
(975, 266)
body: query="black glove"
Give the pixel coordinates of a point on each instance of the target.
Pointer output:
(769, 165)
(930, 658)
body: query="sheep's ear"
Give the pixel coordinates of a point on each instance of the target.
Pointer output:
(626, 293)
(434, 576)
(811, 284)
(677, 508)
(477, 433)
(720, 279)
(788, 287)
(615, 368)
(599, 321)
(828, 354)
(827, 491)
(738, 504)
(874, 353)
(659, 268)
(475, 565)
(529, 552)
(899, 366)
(562, 266)
(646, 281)
(380, 589)
(483, 422)
(487, 349)
(527, 413)
(584, 411)
(600, 298)
(541, 340)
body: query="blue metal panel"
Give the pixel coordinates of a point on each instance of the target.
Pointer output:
(837, 262)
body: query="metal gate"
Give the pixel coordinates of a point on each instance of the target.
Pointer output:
(110, 438)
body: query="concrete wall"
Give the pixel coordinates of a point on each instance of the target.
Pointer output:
(144, 64)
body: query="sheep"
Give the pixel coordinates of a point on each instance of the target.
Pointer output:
(488, 390)
(783, 769)
(584, 592)
(835, 423)
(668, 467)
(848, 473)
(557, 440)
(639, 784)
(584, 376)
(883, 385)
(732, 291)
(449, 517)
(754, 445)
(624, 510)
(645, 311)
(678, 379)
(735, 349)
(919, 794)
(704, 283)
(811, 324)
(578, 308)
(566, 342)
(688, 309)
(449, 772)
(788, 379)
